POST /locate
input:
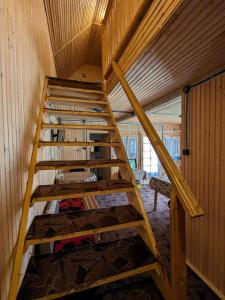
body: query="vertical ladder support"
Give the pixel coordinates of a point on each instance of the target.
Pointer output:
(26, 204)
(177, 248)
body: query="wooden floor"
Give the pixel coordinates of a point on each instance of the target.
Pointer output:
(51, 274)
(52, 225)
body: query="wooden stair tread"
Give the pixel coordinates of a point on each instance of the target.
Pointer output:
(91, 102)
(78, 126)
(79, 164)
(52, 227)
(77, 113)
(70, 190)
(74, 83)
(66, 272)
(78, 144)
(75, 89)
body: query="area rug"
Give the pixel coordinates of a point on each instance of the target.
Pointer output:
(142, 287)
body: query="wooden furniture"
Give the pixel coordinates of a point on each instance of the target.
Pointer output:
(159, 186)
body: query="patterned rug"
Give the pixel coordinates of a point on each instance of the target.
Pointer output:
(142, 287)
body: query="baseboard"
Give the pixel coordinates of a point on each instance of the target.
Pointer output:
(206, 280)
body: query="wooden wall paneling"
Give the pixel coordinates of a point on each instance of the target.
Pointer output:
(222, 192)
(204, 171)
(217, 159)
(88, 73)
(189, 47)
(121, 19)
(151, 23)
(25, 58)
(75, 30)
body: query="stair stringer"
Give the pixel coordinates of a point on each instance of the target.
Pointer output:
(134, 198)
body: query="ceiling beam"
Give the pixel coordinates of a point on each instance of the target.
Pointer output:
(153, 22)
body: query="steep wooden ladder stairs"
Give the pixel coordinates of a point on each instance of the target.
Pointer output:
(57, 274)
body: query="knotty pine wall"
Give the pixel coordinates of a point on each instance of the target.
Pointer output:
(204, 170)
(25, 58)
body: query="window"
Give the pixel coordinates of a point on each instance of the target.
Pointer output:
(130, 145)
(150, 159)
(173, 147)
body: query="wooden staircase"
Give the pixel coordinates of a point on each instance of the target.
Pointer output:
(57, 274)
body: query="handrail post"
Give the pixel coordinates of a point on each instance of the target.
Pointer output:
(177, 248)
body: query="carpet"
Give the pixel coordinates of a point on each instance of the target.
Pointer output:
(143, 287)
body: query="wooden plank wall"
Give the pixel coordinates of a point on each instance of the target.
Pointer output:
(204, 170)
(75, 153)
(88, 73)
(75, 30)
(25, 58)
(119, 21)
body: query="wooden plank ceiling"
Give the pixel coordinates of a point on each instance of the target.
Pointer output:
(75, 31)
(190, 47)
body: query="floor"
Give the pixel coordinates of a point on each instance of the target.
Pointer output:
(142, 287)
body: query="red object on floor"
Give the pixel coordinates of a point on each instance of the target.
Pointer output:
(71, 205)
(67, 206)
(70, 243)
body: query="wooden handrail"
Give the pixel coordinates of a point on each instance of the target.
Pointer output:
(184, 193)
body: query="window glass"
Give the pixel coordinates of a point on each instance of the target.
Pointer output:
(130, 145)
(150, 159)
(172, 144)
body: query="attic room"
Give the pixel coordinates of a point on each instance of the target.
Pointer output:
(112, 149)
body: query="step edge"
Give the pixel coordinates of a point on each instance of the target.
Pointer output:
(84, 232)
(82, 194)
(109, 279)
(69, 88)
(84, 144)
(76, 100)
(71, 126)
(69, 167)
(61, 111)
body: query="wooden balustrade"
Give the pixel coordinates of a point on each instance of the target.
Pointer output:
(184, 193)
(182, 199)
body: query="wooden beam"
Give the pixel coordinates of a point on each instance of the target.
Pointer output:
(76, 100)
(157, 16)
(129, 33)
(26, 204)
(77, 126)
(182, 189)
(74, 234)
(76, 113)
(78, 144)
(74, 89)
(177, 248)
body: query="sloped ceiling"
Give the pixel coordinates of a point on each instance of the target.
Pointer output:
(189, 48)
(75, 31)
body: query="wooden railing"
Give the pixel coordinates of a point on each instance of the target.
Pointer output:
(182, 199)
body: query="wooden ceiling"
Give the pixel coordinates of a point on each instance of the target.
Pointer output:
(190, 47)
(75, 31)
